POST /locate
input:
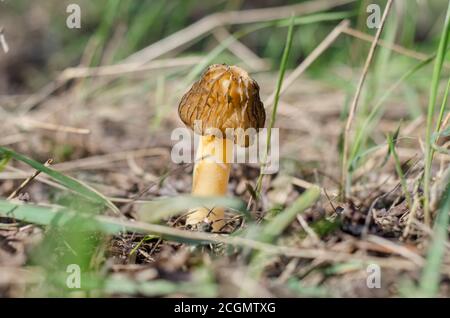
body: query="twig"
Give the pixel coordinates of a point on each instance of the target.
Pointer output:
(393, 47)
(412, 212)
(124, 68)
(155, 246)
(305, 184)
(445, 122)
(369, 217)
(28, 180)
(329, 200)
(309, 230)
(41, 96)
(21, 174)
(102, 160)
(354, 104)
(27, 123)
(396, 248)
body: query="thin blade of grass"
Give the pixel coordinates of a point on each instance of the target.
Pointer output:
(4, 159)
(57, 216)
(441, 52)
(102, 33)
(398, 167)
(282, 220)
(277, 225)
(158, 209)
(345, 181)
(69, 182)
(273, 117)
(430, 280)
(371, 120)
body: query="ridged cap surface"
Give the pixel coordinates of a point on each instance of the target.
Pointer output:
(224, 97)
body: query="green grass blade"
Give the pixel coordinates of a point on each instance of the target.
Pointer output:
(275, 227)
(104, 30)
(69, 182)
(60, 217)
(282, 220)
(142, 23)
(4, 159)
(441, 52)
(273, 117)
(398, 168)
(371, 120)
(158, 209)
(314, 18)
(430, 280)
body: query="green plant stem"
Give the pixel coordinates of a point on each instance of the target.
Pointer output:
(431, 110)
(68, 182)
(398, 168)
(273, 117)
(429, 283)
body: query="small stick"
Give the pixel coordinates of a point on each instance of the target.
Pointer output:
(126, 68)
(393, 47)
(354, 105)
(398, 249)
(27, 122)
(329, 200)
(309, 231)
(412, 212)
(229, 222)
(28, 180)
(3, 42)
(445, 122)
(155, 246)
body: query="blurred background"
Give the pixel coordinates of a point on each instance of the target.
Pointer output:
(42, 45)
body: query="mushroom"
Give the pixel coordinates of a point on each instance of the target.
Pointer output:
(225, 99)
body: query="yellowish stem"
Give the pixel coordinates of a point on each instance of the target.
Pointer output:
(211, 174)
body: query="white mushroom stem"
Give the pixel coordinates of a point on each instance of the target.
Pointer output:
(211, 174)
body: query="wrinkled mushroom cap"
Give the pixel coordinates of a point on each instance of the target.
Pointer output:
(224, 97)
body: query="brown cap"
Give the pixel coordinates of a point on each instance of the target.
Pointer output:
(224, 97)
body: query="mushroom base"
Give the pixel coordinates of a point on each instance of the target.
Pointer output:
(211, 174)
